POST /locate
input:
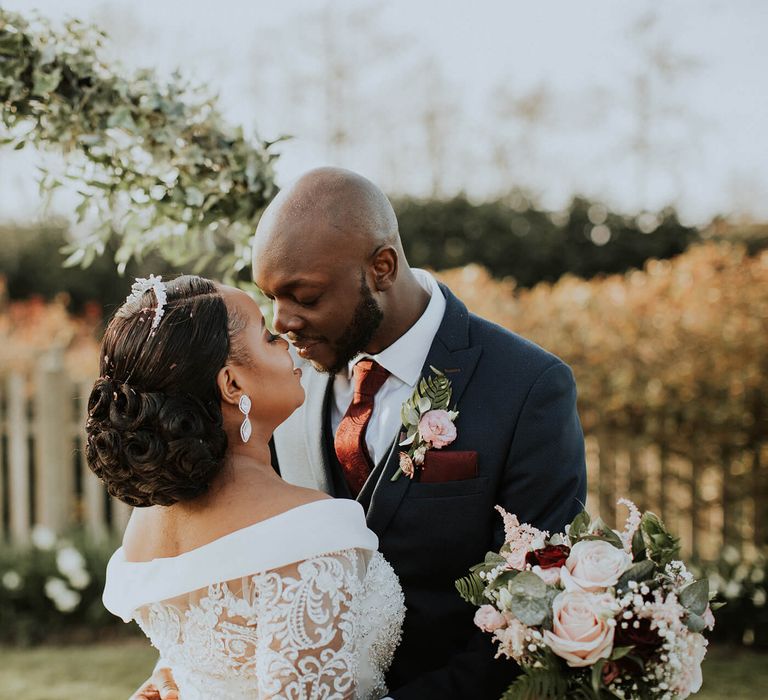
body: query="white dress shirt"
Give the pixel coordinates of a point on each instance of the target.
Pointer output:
(404, 359)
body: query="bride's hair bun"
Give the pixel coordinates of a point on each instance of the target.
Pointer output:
(154, 428)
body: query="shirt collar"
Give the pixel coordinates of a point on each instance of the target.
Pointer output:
(406, 356)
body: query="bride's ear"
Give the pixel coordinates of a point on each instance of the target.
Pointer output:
(229, 385)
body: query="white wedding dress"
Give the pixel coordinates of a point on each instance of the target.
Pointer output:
(298, 606)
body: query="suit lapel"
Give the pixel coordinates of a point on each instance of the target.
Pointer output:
(452, 354)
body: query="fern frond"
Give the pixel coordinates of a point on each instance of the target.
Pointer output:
(538, 684)
(471, 588)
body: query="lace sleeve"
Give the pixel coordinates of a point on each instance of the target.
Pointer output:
(308, 613)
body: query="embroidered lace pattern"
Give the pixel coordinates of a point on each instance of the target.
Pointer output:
(325, 627)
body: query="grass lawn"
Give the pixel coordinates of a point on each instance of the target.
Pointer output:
(112, 671)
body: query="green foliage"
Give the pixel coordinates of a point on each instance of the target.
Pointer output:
(641, 571)
(471, 588)
(662, 546)
(153, 161)
(43, 599)
(30, 262)
(514, 238)
(547, 683)
(528, 599)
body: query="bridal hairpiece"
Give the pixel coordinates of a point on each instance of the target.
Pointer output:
(141, 285)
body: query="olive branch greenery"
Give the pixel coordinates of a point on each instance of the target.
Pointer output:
(154, 162)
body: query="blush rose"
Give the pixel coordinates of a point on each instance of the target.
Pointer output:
(580, 634)
(437, 428)
(488, 619)
(594, 565)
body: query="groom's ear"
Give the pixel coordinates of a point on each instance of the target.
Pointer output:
(385, 265)
(229, 385)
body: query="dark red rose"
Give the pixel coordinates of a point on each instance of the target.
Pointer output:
(549, 557)
(646, 641)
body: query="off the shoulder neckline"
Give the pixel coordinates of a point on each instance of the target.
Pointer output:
(247, 529)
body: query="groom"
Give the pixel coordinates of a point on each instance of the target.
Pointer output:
(368, 328)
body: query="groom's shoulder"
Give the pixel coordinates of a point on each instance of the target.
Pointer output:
(505, 348)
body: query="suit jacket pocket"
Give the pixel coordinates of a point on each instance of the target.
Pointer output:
(440, 466)
(447, 489)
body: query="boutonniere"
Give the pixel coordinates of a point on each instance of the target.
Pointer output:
(427, 422)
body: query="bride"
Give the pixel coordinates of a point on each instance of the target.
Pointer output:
(247, 586)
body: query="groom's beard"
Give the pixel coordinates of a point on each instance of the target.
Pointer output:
(356, 336)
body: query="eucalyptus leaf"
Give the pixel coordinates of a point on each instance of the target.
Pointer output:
(695, 596)
(639, 572)
(695, 622)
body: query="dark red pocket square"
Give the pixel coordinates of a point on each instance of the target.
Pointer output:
(448, 466)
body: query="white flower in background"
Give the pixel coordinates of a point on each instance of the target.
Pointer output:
(65, 599)
(732, 590)
(730, 555)
(79, 579)
(12, 580)
(758, 575)
(69, 561)
(43, 538)
(759, 598)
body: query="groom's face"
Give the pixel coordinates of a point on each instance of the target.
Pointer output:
(324, 308)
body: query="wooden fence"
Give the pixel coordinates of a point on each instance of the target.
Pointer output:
(44, 479)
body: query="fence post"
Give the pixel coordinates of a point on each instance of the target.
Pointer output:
(94, 499)
(53, 449)
(18, 458)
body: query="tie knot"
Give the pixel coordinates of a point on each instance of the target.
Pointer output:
(369, 377)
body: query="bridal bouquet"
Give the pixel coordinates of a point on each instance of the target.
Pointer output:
(593, 613)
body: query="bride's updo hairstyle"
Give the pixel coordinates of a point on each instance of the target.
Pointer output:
(154, 428)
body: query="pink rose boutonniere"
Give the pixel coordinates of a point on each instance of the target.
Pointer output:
(427, 422)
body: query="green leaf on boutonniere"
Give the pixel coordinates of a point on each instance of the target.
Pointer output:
(695, 622)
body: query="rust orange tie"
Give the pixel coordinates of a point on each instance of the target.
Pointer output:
(351, 449)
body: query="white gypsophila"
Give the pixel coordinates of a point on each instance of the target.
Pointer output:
(43, 538)
(677, 571)
(69, 561)
(12, 580)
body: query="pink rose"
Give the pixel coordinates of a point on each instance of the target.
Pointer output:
(594, 565)
(437, 428)
(488, 619)
(580, 634)
(550, 576)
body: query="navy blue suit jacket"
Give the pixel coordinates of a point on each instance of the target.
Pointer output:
(517, 411)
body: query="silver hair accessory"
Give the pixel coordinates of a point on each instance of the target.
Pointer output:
(245, 408)
(141, 285)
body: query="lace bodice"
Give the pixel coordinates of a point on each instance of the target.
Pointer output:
(324, 625)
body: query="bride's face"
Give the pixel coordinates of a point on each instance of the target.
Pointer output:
(264, 366)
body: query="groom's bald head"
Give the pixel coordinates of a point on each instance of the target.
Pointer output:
(327, 209)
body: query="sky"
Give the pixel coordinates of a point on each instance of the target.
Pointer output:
(432, 97)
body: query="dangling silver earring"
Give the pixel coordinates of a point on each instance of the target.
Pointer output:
(245, 426)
